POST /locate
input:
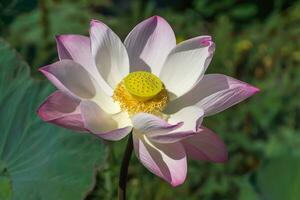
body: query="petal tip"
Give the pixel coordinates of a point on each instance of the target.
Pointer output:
(252, 90)
(157, 17)
(58, 37)
(206, 41)
(44, 70)
(222, 159)
(95, 22)
(178, 182)
(41, 113)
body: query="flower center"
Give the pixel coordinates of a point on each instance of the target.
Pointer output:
(141, 92)
(143, 85)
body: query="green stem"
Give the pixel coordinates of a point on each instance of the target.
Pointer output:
(124, 169)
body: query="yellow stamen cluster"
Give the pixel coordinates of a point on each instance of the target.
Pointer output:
(141, 92)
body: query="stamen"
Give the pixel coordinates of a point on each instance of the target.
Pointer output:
(141, 92)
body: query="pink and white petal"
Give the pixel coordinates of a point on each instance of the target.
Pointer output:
(101, 123)
(186, 64)
(78, 49)
(205, 145)
(149, 43)
(148, 123)
(215, 93)
(71, 78)
(191, 117)
(62, 110)
(109, 53)
(167, 161)
(157, 129)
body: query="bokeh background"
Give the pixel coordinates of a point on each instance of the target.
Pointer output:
(256, 41)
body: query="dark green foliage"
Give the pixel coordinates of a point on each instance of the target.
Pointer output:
(39, 160)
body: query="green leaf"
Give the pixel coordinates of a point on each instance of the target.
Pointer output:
(279, 178)
(39, 160)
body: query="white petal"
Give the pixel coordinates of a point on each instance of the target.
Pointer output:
(157, 129)
(71, 78)
(109, 53)
(191, 117)
(78, 48)
(167, 161)
(149, 43)
(214, 93)
(101, 123)
(148, 123)
(186, 64)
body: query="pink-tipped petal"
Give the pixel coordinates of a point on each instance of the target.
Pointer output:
(149, 43)
(157, 129)
(70, 77)
(205, 145)
(101, 123)
(214, 93)
(186, 64)
(109, 53)
(167, 161)
(78, 49)
(62, 110)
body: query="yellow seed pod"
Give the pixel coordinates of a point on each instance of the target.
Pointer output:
(143, 85)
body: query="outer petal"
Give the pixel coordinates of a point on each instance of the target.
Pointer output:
(71, 78)
(78, 48)
(158, 130)
(62, 110)
(109, 53)
(214, 93)
(149, 43)
(100, 123)
(167, 161)
(205, 145)
(186, 64)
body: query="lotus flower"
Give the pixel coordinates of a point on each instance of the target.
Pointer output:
(148, 85)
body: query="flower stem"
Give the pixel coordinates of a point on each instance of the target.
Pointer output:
(124, 169)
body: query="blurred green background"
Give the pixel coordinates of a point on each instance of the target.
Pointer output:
(256, 41)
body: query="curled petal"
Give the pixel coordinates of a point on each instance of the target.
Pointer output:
(157, 129)
(167, 161)
(205, 145)
(191, 117)
(100, 123)
(186, 64)
(149, 43)
(215, 93)
(62, 110)
(146, 123)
